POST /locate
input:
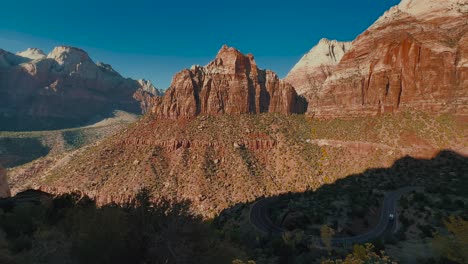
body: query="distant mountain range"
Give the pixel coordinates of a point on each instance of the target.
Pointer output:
(62, 89)
(415, 57)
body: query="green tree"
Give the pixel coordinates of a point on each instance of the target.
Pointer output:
(454, 244)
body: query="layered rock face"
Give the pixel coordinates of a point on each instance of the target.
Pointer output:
(216, 162)
(231, 84)
(309, 74)
(415, 57)
(62, 89)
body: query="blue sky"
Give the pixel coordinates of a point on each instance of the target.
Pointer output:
(154, 39)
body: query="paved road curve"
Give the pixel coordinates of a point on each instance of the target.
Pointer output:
(259, 218)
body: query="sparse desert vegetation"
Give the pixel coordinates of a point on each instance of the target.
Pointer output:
(351, 206)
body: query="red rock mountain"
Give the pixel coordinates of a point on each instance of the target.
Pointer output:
(415, 57)
(230, 84)
(62, 89)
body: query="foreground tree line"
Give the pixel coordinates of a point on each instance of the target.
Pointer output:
(71, 229)
(36, 228)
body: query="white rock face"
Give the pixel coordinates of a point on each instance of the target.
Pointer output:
(147, 86)
(68, 55)
(33, 54)
(431, 8)
(326, 52)
(74, 61)
(315, 66)
(424, 10)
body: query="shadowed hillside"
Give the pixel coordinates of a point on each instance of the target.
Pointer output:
(37, 228)
(216, 162)
(19, 148)
(351, 206)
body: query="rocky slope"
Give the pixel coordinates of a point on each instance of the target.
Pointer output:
(62, 89)
(218, 161)
(18, 148)
(308, 75)
(230, 84)
(415, 57)
(200, 143)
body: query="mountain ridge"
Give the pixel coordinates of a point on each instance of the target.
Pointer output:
(394, 65)
(42, 92)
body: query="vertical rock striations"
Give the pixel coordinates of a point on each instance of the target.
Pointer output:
(230, 84)
(414, 57)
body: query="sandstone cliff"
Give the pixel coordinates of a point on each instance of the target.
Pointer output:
(230, 84)
(415, 57)
(308, 75)
(62, 89)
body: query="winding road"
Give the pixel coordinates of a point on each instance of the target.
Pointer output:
(259, 219)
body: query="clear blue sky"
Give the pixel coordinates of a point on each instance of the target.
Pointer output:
(154, 39)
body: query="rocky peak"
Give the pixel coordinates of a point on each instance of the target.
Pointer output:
(147, 86)
(33, 54)
(433, 7)
(315, 66)
(424, 10)
(64, 55)
(231, 61)
(326, 52)
(230, 84)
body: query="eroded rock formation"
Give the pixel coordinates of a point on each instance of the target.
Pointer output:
(415, 57)
(230, 84)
